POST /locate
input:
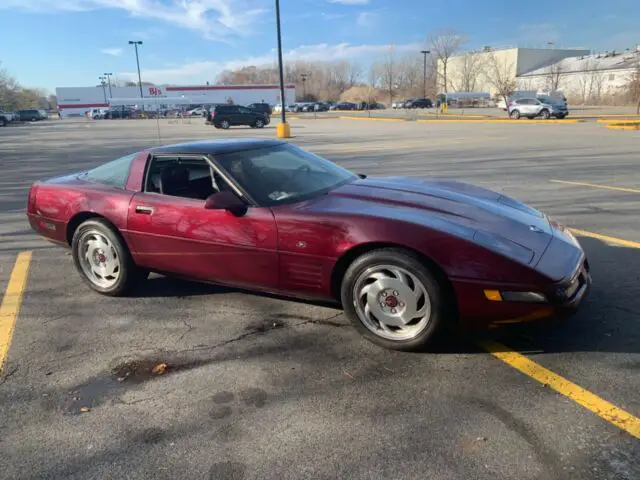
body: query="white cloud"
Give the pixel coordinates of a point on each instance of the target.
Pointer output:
(198, 72)
(116, 52)
(367, 19)
(350, 2)
(215, 19)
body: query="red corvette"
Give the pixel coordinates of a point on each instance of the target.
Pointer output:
(403, 256)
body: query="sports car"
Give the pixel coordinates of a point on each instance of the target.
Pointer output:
(404, 257)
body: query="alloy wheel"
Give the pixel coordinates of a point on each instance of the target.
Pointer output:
(392, 302)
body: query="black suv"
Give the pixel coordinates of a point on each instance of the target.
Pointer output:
(419, 103)
(260, 107)
(225, 116)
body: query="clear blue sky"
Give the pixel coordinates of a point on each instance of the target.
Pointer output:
(72, 42)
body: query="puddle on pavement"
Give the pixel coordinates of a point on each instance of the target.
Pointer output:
(89, 395)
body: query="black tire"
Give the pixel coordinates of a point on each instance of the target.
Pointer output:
(33, 119)
(3, 122)
(515, 114)
(410, 262)
(225, 124)
(561, 116)
(129, 274)
(259, 123)
(545, 114)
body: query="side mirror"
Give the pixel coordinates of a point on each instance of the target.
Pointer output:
(226, 201)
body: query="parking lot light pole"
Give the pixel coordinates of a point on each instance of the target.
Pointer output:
(424, 72)
(135, 44)
(303, 77)
(283, 130)
(104, 92)
(108, 75)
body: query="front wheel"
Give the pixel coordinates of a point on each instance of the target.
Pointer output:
(259, 123)
(393, 299)
(103, 259)
(3, 122)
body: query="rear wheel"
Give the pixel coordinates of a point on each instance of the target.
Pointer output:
(515, 114)
(393, 299)
(103, 260)
(545, 114)
(225, 124)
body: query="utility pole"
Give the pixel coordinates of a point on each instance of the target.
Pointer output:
(108, 75)
(104, 92)
(424, 72)
(135, 44)
(283, 128)
(303, 77)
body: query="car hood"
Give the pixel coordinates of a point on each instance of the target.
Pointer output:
(496, 221)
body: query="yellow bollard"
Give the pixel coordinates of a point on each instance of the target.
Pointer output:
(283, 130)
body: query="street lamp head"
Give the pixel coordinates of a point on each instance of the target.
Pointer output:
(135, 42)
(424, 52)
(107, 74)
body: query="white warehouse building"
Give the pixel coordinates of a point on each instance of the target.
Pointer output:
(471, 71)
(75, 101)
(587, 77)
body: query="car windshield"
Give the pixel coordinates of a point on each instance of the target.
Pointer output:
(283, 174)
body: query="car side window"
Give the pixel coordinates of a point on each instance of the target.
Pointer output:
(244, 110)
(114, 173)
(186, 177)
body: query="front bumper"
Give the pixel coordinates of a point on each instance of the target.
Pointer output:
(477, 312)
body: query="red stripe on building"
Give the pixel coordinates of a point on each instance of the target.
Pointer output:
(83, 105)
(226, 87)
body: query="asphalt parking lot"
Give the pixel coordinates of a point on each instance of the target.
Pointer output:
(259, 387)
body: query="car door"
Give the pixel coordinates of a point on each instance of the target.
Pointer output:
(176, 234)
(245, 116)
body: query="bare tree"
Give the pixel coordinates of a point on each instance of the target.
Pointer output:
(597, 82)
(388, 72)
(634, 82)
(443, 46)
(556, 72)
(499, 73)
(585, 80)
(470, 69)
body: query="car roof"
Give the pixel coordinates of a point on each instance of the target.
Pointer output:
(215, 147)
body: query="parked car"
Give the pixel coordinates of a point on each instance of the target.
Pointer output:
(294, 107)
(6, 118)
(195, 112)
(117, 112)
(344, 106)
(277, 108)
(419, 103)
(32, 115)
(533, 107)
(261, 107)
(225, 116)
(320, 107)
(266, 215)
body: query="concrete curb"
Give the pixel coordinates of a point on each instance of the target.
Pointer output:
(375, 119)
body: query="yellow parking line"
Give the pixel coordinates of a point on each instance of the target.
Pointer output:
(502, 120)
(605, 410)
(595, 185)
(605, 238)
(11, 303)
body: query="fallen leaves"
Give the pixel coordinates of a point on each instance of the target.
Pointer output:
(159, 369)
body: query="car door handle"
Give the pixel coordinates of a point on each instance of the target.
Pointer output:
(143, 209)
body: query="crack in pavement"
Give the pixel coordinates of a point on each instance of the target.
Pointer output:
(189, 328)
(325, 321)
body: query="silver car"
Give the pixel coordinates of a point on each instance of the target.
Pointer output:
(536, 107)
